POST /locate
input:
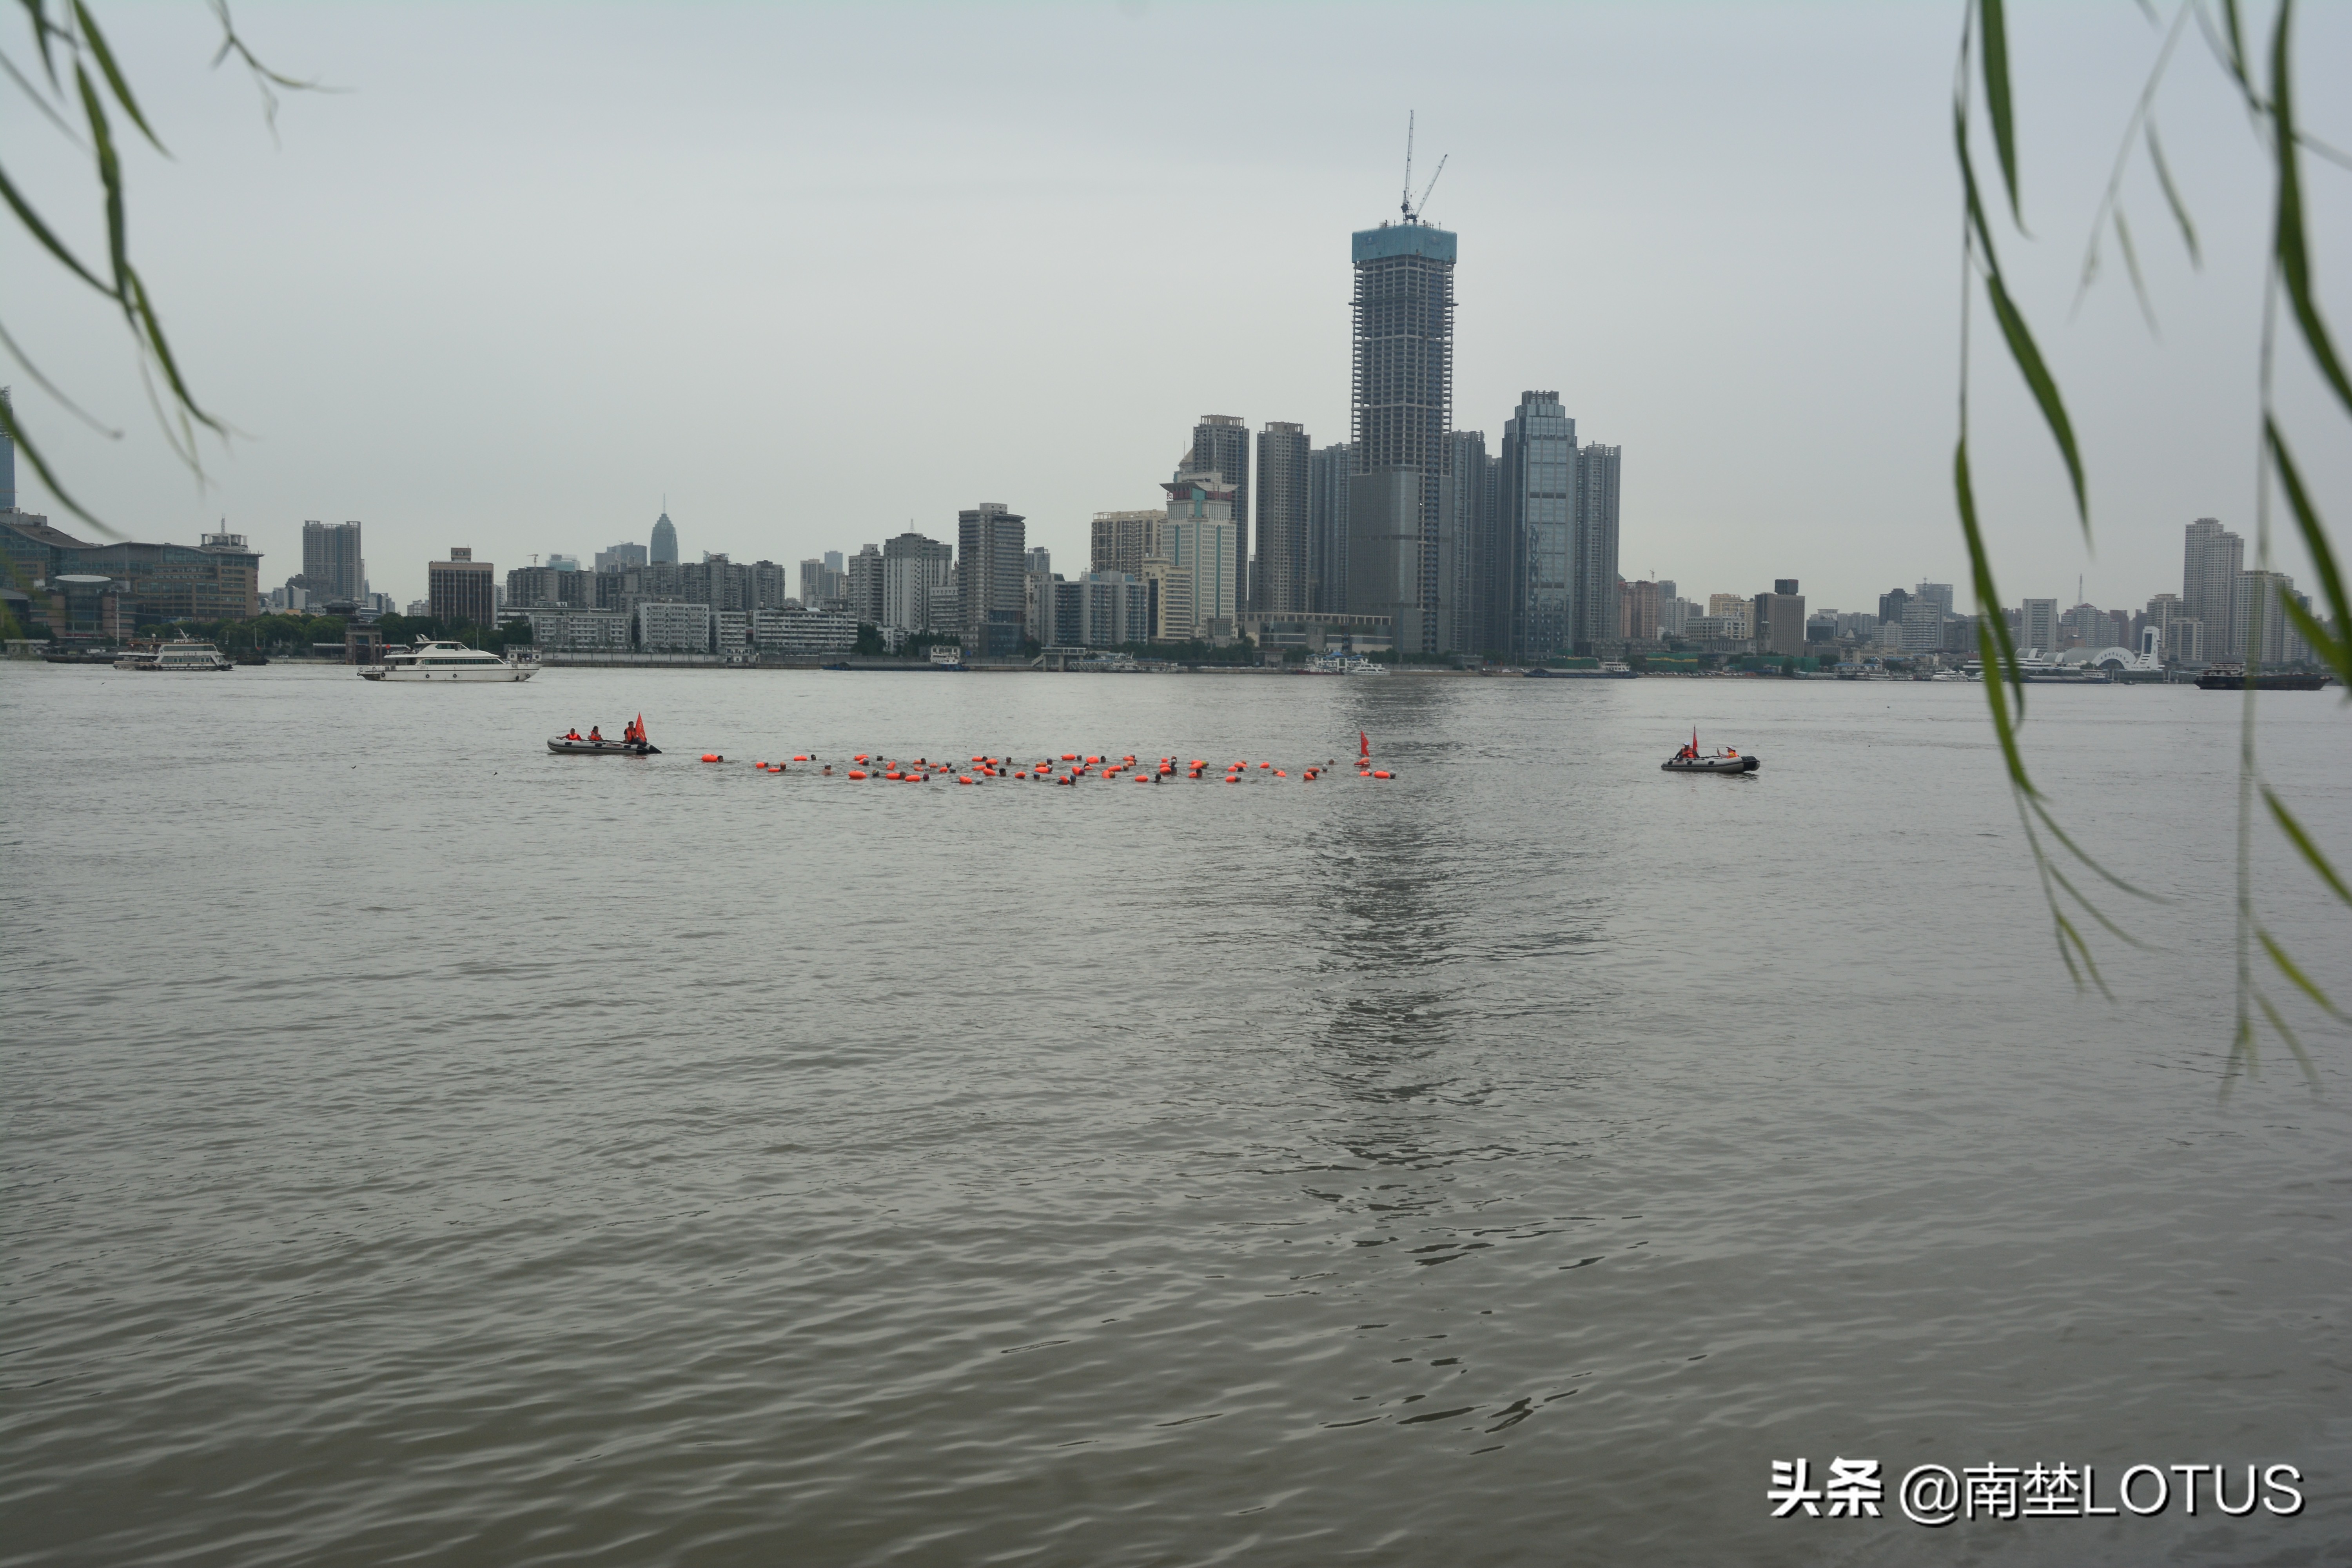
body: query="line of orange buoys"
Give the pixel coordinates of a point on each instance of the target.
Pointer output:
(1065, 769)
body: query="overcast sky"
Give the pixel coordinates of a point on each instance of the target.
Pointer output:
(816, 274)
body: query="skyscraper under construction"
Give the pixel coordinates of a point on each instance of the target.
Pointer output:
(1402, 397)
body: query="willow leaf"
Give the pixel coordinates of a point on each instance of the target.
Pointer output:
(2044, 386)
(2307, 523)
(2293, 256)
(114, 78)
(2140, 284)
(2288, 967)
(2293, 1044)
(1998, 671)
(2172, 198)
(2334, 651)
(27, 444)
(40, 231)
(2311, 852)
(1993, 52)
(36, 12)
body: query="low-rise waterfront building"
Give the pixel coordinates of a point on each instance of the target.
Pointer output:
(580, 631)
(672, 628)
(803, 634)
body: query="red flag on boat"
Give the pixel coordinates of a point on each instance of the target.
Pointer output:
(1363, 743)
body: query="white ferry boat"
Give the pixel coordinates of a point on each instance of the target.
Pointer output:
(182, 655)
(1345, 664)
(446, 660)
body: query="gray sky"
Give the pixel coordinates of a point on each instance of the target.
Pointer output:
(816, 272)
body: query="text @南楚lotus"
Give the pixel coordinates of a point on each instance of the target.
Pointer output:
(1935, 1495)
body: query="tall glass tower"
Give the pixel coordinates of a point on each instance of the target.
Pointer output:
(1402, 397)
(664, 551)
(1537, 574)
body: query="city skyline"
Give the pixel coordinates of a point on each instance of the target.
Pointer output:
(1663, 296)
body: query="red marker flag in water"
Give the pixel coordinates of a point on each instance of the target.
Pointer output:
(1363, 743)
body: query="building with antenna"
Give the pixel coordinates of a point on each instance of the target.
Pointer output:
(665, 550)
(1401, 407)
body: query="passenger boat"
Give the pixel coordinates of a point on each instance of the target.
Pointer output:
(1607, 671)
(1690, 760)
(182, 655)
(446, 660)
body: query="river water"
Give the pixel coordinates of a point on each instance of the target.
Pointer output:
(422, 1148)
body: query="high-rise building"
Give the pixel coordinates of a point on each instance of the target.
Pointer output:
(1939, 593)
(1473, 538)
(1037, 561)
(1535, 613)
(2211, 561)
(2037, 625)
(1594, 559)
(864, 575)
(620, 557)
(1200, 538)
(1923, 625)
(915, 572)
(7, 452)
(1644, 611)
(990, 544)
(1221, 444)
(1780, 620)
(1890, 606)
(1122, 540)
(1401, 408)
(1458, 541)
(1278, 580)
(1328, 473)
(665, 550)
(2259, 620)
(331, 565)
(462, 591)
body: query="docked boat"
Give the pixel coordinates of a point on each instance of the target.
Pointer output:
(180, 655)
(1690, 760)
(1607, 671)
(446, 660)
(2232, 678)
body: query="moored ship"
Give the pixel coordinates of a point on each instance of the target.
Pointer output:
(178, 656)
(2232, 678)
(446, 660)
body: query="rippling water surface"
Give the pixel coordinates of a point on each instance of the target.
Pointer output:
(422, 1148)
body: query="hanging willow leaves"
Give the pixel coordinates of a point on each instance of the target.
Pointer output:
(1993, 53)
(2013, 329)
(2293, 257)
(2336, 648)
(2172, 197)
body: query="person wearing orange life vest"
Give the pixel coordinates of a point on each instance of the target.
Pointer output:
(594, 734)
(574, 734)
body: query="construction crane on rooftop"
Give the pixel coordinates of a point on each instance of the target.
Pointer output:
(1411, 208)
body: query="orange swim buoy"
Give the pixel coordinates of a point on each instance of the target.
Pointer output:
(963, 778)
(856, 773)
(1384, 773)
(709, 756)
